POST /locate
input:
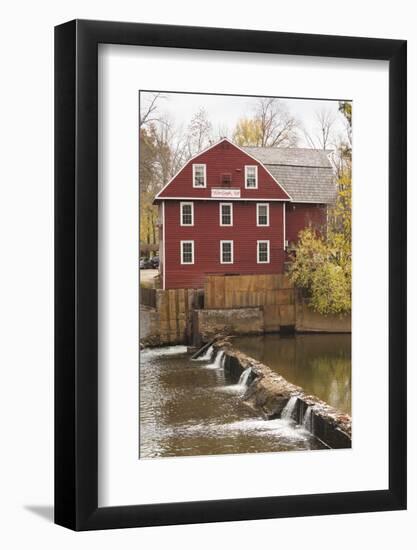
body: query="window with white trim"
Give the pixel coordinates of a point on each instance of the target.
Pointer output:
(187, 252)
(251, 177)
(187, 213)
(262, 214)
(199, 175)
(263, 252)
(226, 213)
(226, 252)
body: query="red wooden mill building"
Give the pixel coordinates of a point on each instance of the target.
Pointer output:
(235, 210)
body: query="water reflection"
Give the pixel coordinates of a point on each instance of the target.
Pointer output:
(319, 363)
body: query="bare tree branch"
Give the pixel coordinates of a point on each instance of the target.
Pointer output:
(199, 132)
(322, 134)
(151, 108)
(271, 126)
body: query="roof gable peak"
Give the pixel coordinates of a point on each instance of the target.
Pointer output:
(242, 150)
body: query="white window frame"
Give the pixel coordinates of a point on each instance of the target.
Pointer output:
(221, 217)
(192, 214)
(257, 252)
(195, 166)
(182, 252)
(258, 204)
(246, 176)
(231, 252)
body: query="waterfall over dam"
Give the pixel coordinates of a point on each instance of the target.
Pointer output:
(203, 412)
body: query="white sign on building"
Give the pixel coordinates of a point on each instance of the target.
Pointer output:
(222, 193)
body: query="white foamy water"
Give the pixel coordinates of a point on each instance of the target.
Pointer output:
(218, 361)
(288, 410)
(307, 420)
(206, 356)
(162, 351)
(244, 378)
(276, 428)
(256, 427)
(236, 389)
(241, 386)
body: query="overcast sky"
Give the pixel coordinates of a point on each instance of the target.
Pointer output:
(225, 111)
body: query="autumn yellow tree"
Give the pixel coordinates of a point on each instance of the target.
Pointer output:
(148, 187)
(322, 264)
(248, 132)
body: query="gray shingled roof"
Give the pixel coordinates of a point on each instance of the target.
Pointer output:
(305, 174)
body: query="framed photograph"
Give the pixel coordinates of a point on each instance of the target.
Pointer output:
(230, 334)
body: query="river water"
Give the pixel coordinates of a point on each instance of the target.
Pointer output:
(319, 363)
(190, 408)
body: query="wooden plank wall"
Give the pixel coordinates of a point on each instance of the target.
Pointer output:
(175, 308)
(147, 296)
(234, 291)
(274, 293)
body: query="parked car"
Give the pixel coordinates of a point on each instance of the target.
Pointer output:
(155, 262)
(144, 263)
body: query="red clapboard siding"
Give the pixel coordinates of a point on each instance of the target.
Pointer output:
(207, 234)
(224, 158)
(299, 216)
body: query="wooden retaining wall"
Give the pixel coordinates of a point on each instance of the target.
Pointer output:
(272, 298)
(169, 320)
(274, 293)
(234, 291)
(147, 296)
(175, 310)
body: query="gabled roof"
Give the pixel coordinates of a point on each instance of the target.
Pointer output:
(305, 174)
(203, 191)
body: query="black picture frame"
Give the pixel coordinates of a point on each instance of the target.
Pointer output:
(76, 272)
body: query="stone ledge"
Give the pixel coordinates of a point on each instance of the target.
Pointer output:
(238, 321)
